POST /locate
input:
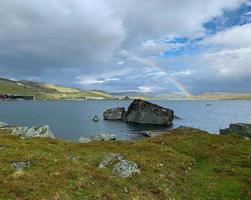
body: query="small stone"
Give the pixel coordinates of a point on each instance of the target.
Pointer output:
(84, 140)
(108, 159)
(125, 168)
(21, 165)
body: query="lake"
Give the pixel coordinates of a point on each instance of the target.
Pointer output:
(72, 119)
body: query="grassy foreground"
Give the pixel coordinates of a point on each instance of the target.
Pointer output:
(185, 164)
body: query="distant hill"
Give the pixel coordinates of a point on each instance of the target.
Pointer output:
(47, 91)
(180, 96)
(41, 90)
(223, 96)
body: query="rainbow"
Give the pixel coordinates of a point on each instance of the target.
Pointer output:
(180, 86)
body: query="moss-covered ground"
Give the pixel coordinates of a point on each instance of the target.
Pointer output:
(183, 164)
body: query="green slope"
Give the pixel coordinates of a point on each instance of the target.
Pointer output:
(184, 164)
(47, 91)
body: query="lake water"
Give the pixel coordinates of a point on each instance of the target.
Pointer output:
(72, 119)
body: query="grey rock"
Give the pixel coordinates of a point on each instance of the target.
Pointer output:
(95, 118)
(2, 124)
(114, 114)
(39, 131)
(144, 112)
(149, 133)
(22, 130)
(242, 129)
(21, 165)
(84, 140)
(110, 158)
(103, 137)
(125, 168)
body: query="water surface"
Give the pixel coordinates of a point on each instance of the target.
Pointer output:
(72, 119)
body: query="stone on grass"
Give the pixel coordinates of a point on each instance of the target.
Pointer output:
(39, 131)
(110, 158)
(103, 137)
(125, 168)
(84, 140)
(21, 165)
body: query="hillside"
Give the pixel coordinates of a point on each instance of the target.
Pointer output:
(47, 91)
(183, 164)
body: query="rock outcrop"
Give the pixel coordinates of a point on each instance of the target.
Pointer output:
(103, 137)
(3, 124)
(144, 112)
(115, 114)
(109, 159)
(125, 168)
(242, 129)
(39, 131)
(84, 140)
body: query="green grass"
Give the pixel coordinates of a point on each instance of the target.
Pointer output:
(185, 164)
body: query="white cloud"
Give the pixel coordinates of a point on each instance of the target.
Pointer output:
(236, 37)
(146, 88)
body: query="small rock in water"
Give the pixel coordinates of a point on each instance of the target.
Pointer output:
(21, 165)
(95, 118)
(108, 159)
(84, 140)
(103, 137)
(125, 168)
(2, 124)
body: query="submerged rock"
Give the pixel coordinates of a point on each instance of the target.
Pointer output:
(39, 131)
(2, 124)
(84, 140)
(125, 168)
(114, 114)
(149, 133)
(103, 137)
(21, 165)
(110, 158)
(242, 129)
(144, 112)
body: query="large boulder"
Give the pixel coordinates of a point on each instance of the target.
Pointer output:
(39, 131)
(103, 137)
(125, 168)
(115, 114)
(242, 129)
(144, 112)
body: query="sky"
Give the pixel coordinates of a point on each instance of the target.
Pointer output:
(157, 46)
